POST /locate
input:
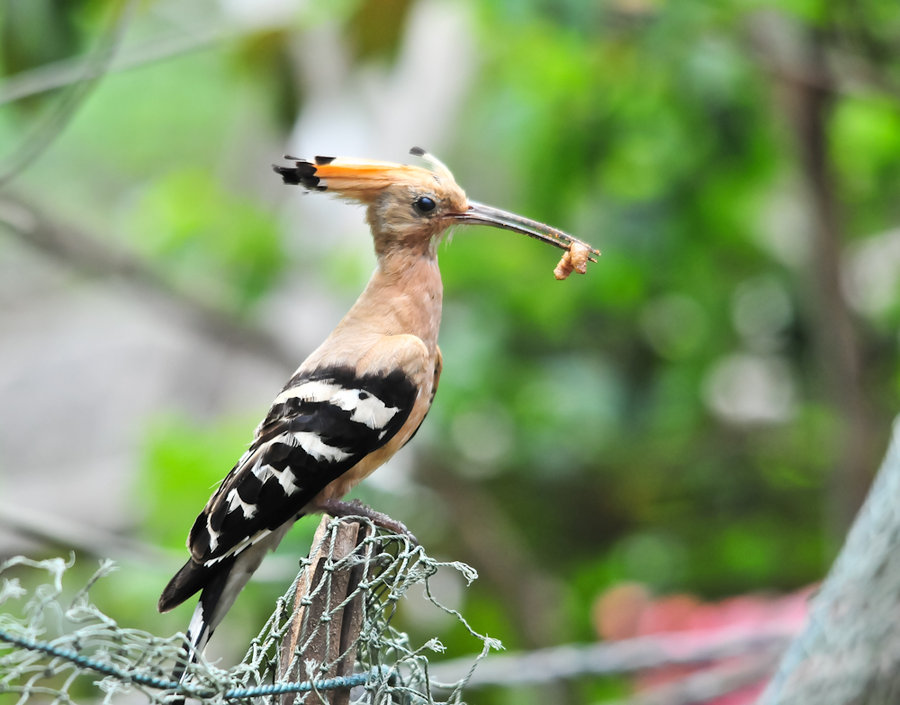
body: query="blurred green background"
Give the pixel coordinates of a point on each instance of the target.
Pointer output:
(701, 413)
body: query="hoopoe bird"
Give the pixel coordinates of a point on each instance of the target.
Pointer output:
(360, 396)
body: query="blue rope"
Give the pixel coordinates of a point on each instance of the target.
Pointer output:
(306, 686)
(85, 662)
(152, 682)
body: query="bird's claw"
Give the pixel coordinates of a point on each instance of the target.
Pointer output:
(354, 508)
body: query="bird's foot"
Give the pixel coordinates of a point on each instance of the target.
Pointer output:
(354, 508)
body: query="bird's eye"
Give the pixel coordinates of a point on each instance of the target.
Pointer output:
(424, 204)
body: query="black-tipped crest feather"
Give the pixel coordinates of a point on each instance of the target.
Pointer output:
(302, 174)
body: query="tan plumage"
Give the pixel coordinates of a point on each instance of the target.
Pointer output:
(359, 397)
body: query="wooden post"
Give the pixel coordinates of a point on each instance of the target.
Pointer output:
(849, 651)
(320, 590)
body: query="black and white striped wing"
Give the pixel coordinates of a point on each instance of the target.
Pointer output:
(321, 425)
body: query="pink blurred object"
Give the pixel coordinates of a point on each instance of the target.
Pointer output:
(629, 610)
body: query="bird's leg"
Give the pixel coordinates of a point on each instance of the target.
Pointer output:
(354, 508)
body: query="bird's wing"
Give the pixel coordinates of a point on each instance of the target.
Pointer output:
(322, 424)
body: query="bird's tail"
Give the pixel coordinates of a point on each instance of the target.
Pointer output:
(215, 600)
(220, 583)
(198, 634)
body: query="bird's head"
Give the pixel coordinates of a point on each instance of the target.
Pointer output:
(410, 207)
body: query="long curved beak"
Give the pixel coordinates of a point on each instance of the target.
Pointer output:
(480, 214)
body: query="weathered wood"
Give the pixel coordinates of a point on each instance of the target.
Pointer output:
(849, 651)
(320, 631)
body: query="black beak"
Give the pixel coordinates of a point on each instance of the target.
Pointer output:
(480, 214)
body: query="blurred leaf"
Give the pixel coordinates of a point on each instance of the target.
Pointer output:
(225, 246)
(264, 60)
(375, 29)
(865, 138)
(184, 463)
(37, 32)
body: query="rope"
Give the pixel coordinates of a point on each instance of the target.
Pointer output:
(181, 689)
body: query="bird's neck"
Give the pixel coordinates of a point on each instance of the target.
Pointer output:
(403, 296)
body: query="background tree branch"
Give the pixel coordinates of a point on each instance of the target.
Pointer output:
(94, 257)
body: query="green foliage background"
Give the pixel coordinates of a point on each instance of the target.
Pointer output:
(579, 437)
